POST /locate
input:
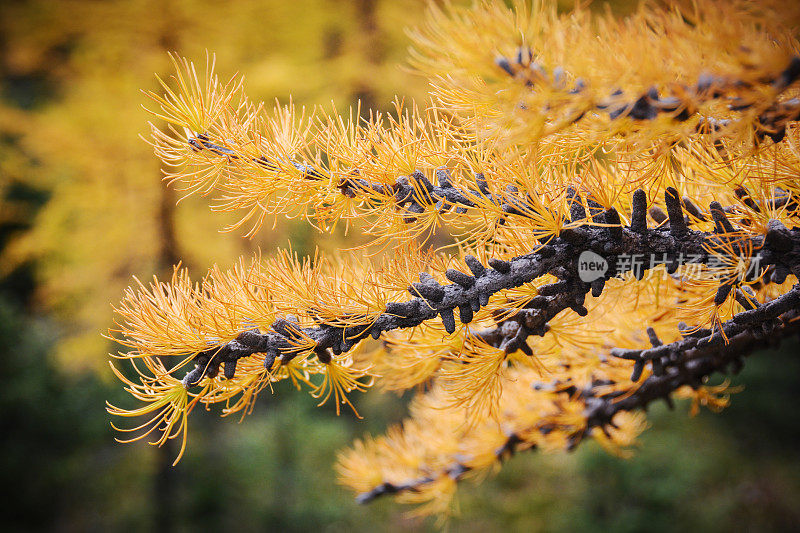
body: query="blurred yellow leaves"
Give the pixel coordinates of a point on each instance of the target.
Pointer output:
(102, 222)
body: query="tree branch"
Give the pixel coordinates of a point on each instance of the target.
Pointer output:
(701, 354)
(779, 252)
(683, 102)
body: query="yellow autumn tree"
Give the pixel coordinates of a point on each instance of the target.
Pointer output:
(618, 195)
(105, 217)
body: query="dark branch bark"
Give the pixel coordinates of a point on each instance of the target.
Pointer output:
(779, 251)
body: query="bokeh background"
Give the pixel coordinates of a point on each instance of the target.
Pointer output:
(83, 208)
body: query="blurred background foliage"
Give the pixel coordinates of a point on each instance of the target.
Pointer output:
(82, 208)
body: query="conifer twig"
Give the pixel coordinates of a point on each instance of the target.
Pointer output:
(701, 355)
(780, 251)
(709, 87)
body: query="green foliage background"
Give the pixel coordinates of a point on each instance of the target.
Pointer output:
(82, 209)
